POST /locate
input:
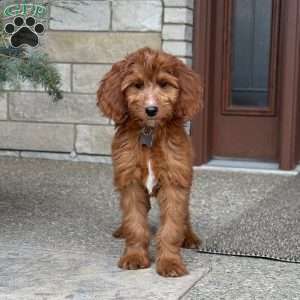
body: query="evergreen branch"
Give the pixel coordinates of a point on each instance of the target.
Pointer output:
(16, 65)
(35, 68)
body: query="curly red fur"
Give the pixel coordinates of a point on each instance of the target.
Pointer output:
(149, 77)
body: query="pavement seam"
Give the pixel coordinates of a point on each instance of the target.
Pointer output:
(196, 281)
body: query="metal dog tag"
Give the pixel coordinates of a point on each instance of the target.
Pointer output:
(146, 137)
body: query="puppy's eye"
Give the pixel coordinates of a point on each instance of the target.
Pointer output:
(139, 85)
(163, 84)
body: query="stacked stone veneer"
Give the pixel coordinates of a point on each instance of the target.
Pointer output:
(83, 45)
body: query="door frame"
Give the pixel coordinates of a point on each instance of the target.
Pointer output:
(288, 81)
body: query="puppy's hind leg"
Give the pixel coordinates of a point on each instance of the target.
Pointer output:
(191, 240)
(119, 233)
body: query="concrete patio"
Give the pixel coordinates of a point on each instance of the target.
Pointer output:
(56, 220)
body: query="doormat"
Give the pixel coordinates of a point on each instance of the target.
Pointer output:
(248, 214)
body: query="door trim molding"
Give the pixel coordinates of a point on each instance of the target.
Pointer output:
(289, 83)
(202, 41)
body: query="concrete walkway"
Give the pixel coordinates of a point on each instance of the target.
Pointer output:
(56, 220)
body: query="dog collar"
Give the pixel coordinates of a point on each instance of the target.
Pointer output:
(146, 136)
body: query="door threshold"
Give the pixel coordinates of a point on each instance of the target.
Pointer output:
(246, 166)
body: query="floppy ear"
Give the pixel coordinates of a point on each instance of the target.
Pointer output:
(190, 99)
(110, 98)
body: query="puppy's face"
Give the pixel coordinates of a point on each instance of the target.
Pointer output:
(150, 87)
(151, 92)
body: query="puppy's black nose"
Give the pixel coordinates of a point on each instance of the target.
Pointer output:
(151, 111)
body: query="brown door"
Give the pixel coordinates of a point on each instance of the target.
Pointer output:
(247, 53)
(245, 119)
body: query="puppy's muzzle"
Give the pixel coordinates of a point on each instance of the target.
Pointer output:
(151, 111)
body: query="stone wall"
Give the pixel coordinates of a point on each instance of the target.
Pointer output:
(83, 45)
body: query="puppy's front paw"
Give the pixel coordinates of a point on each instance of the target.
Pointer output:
(134, 261)
(170, 267)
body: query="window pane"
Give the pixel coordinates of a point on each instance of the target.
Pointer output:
(251, 40)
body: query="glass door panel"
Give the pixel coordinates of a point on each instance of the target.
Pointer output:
(251, 56)
(251, 47)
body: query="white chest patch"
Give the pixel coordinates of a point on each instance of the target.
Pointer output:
(150, 182)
